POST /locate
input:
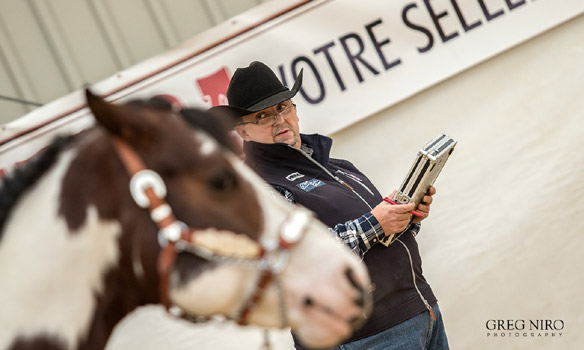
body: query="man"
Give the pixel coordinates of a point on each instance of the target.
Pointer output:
(405, 314)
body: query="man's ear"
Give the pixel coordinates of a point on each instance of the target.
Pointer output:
(242, 133)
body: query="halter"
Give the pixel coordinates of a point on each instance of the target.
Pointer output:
(148, 191)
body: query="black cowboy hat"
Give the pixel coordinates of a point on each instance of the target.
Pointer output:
(254, 88)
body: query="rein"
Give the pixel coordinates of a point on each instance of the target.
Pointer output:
(148, 191)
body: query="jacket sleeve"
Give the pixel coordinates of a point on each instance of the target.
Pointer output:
(359, 234)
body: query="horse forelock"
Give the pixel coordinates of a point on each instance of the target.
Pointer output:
(167, 145)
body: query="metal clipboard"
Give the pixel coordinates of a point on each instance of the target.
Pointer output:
(423, 173)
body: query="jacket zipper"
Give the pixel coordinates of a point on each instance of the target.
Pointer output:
(357, 180)
(426, 303)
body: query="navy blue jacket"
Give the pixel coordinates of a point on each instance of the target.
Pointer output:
(394, 294)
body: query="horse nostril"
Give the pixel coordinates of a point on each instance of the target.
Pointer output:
(351, 277)
(360, 298)
(308, 302)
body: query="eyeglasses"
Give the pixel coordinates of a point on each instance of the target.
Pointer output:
(265, 119)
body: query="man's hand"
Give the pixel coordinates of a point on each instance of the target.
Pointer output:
(393, 218)
(424, 207)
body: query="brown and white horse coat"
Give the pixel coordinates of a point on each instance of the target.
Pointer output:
(77, 254)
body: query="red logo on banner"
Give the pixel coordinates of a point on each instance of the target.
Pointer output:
(213, 87)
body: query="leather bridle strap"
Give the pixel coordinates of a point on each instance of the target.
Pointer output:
(148, 191)
(290, 234)
(263, 282)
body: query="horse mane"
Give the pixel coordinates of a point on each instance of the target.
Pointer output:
(22, 177)
(215, 124)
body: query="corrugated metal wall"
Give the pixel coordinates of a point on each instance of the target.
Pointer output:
(50, 48)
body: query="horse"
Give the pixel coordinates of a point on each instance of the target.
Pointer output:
(151, 206)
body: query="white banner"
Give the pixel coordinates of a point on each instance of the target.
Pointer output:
(359, 57)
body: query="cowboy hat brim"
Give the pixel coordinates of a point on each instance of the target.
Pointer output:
(236, 112)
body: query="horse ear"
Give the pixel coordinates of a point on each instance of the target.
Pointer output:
(116, 119)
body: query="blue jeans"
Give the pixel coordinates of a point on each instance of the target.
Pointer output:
(420, 332)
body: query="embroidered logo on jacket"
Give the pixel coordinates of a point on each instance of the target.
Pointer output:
(294, 176)
(310, 185)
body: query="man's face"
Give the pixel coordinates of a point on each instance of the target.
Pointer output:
(276, 124)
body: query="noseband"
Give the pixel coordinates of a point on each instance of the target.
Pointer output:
(148, 191)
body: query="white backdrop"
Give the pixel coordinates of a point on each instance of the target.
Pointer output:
(504, 238)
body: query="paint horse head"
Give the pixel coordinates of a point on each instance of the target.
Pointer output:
(144, 208)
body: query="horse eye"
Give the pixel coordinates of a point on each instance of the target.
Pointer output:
(223, 180)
